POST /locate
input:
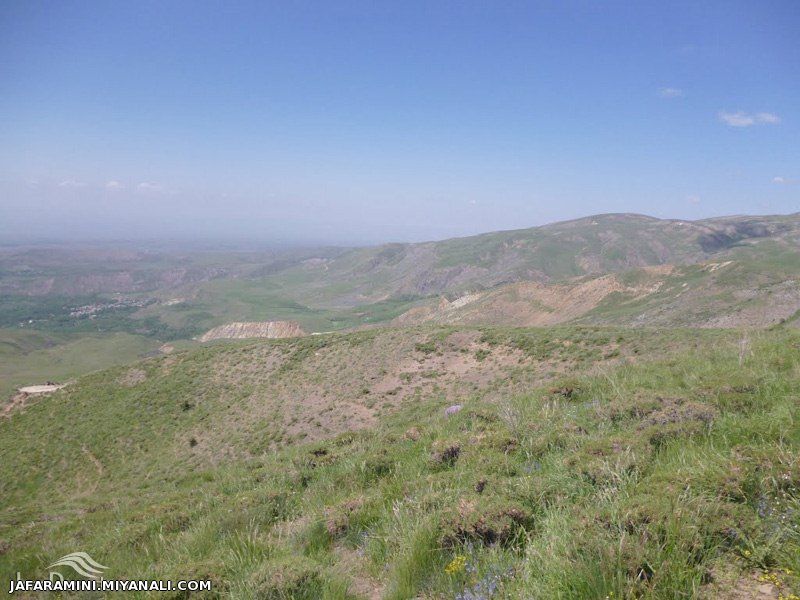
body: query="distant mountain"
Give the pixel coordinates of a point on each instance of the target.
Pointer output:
(595, 246)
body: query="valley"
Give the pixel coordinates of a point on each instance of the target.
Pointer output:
(611, 270)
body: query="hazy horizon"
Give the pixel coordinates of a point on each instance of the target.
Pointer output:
(256, 244)
(357, 124)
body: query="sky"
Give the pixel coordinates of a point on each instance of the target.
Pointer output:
(363, 122)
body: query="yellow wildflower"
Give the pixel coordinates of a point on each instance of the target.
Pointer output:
(458, 564)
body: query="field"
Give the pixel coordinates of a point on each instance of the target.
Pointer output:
(584, 462)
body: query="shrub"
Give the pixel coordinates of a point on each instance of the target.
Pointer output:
(294, 578)
(426, 347)
(445, 454)
(486, 520)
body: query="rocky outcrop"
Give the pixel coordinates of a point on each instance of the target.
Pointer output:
(264, 329)
(44, 388)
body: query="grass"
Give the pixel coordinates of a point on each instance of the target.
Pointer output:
(56, 346)
(29, 357)
(263, 299)
(671, 473)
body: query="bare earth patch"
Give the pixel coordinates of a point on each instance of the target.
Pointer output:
(280, 393)
(747, 587)
(533, 304)
(132, 377)
(351, 565)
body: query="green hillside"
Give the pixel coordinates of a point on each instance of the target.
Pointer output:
(32, 357)
(585, 463)
(590, 246)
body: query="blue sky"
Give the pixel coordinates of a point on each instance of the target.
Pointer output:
(371, 121)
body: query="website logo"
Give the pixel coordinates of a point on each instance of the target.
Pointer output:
(81, 563)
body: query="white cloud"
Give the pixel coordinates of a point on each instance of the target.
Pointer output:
(670, 92)
(737, 119)
(693, 199)
(765, 117)
(741, 118)
(782, 180)
(71, 183)
(113, 185)
(149, 186)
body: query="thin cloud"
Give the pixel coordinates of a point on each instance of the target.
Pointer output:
(670, 92)
(741, 118)
(783, 180)
(113, 185)
(149, 186)
(71, 183)
(765, 117)
(693, 199)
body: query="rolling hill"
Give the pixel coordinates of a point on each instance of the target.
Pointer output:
(567, 462)
(629, 270)
(591, 246)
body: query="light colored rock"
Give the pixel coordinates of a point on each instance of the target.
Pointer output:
(264, 329)
(41, 389)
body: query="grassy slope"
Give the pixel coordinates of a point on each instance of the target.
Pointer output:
(593, 245)
(754, 284)
(654, 466)
(267, 299)
(757, 288)
(29, 357)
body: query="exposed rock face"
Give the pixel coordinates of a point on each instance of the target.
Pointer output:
(41, 389)
(264, 329)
